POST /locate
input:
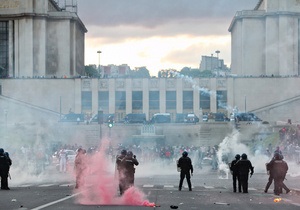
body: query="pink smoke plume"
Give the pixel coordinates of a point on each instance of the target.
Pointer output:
(100, 186)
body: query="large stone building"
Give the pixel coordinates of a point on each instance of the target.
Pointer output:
(261, 45)
(40, 39)
(265, 41)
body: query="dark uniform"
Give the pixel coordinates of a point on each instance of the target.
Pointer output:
(271, 176)
(243, 167)
(4, 169)
(120, 169)
(235, 174)
(129, 161)
(278, 169)
(186, 166)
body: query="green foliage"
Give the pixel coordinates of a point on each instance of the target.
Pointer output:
(141, 72)
(91, 71)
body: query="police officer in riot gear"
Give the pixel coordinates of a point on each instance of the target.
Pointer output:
(244, 166)
(120, 168)
(129, 162)
(186, 166)
(4, 169)
(278, 168)
(235, 174)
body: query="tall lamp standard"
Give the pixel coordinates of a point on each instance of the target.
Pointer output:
(218, 67)
(99, 70)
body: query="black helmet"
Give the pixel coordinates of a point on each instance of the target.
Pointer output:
(185, 154)
(237, 156)
(124, 152)
(129, 153)
(244, 156)
(277, 156)
(1, 150)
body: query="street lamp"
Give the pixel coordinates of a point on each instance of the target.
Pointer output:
(5, 113)
(218, 67)
(99, 52)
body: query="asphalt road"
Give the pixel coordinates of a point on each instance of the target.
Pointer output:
(209, 192)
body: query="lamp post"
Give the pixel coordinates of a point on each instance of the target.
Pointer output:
(5, 113)
(99, 70)
(218, 67)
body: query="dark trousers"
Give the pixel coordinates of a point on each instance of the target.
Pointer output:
(278, 185)
(244, 182)
(4, 181)
(236, 179)
(186, 175)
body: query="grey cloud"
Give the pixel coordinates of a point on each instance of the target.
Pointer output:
(152, 13)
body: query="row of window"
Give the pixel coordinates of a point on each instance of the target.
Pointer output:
(154, 101)
(3, 48)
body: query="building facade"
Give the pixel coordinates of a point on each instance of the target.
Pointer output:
(266, 40)
(40, 39)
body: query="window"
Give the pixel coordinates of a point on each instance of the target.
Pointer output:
(137, 100)
(153, 100)
(221, 99)
(3, 49)
(204, 100)
(187, 102)
(103, 101)
(86, 101)
(120, 100)
(171, 99)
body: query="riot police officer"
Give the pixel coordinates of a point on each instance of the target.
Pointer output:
(244, 166)
(186, 166)
(129, 162)
(120, 168)
(278, 167)
(4, 169)
(235, 174)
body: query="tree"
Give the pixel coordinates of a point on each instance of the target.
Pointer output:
(91, 71)
(140, 72)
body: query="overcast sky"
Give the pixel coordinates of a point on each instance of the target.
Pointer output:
(158, 34)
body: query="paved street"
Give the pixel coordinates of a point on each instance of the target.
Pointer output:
(209, 192)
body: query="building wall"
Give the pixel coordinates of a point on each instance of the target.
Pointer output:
(38, 35)
(267, 97)
(266, 41)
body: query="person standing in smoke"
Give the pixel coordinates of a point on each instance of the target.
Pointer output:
(80, 167)
(63, 161)
(129, 161)
(121, 168)
(278, 168)
(235, 174)
(186, 166)
(4, 170)
(271, 176)
(244, 166)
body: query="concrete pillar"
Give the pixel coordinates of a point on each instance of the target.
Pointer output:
(146, 97)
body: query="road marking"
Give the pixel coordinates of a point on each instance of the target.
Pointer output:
(208, 187)
(66, 185)
(168, 186)
(148, 185)
(55, 202)
(46, 185)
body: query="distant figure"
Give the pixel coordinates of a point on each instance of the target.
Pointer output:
(235, 174)
(129, 161)
(63, 161)
(121, 169)
(186, 166)
(4, 170)
(244, 166)
(80, 167)
(278, 168)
